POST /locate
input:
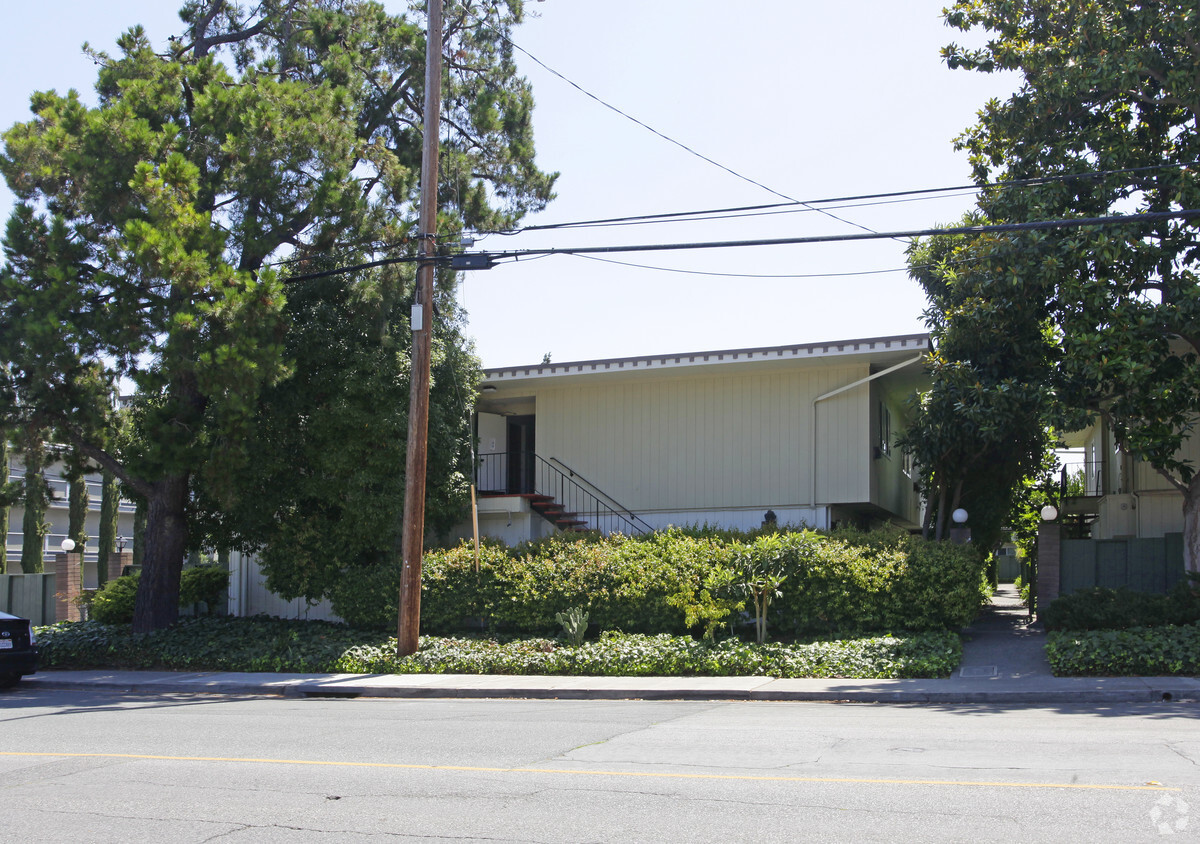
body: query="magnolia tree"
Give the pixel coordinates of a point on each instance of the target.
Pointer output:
(1104, 122)
(147, 244)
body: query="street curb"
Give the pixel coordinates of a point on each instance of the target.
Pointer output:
(1087, 690)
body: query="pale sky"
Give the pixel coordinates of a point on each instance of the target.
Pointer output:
(813, 100)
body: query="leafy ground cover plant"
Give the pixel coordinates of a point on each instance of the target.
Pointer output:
(263, 644)
(1140, 652)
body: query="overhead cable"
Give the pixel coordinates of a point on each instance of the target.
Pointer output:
(914, 194)
(665, 137)
(997, 228)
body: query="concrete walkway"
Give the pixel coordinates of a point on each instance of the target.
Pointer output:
(1002, 645)
(1003, 663)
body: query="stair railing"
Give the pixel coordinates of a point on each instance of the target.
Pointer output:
(640, 524)
(525, 473)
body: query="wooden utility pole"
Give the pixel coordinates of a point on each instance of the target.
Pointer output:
(408, 624)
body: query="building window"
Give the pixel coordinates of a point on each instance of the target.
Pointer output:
(885, 429)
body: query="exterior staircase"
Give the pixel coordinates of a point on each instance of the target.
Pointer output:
(556, 492)
(553, 512)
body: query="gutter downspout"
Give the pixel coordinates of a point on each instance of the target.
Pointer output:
(812, 499)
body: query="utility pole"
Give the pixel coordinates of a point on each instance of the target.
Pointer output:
(408, 624)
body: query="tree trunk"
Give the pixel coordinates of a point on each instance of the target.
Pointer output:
(166, 540)
(1191, 526)
(138, 540)
(941, 515)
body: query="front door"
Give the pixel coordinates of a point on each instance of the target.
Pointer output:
(521, 458)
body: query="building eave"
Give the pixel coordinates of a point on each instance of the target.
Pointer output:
(870, 347)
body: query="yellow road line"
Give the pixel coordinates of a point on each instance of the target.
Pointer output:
(584, 772)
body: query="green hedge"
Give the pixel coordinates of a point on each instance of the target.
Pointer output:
(113, 603)
(1100, 608)
(263, 644)
(1159, 651)
(855, 582)
(623, 583)
(839, 584)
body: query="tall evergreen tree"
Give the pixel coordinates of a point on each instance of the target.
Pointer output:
(110, 499)
(75, 474)
(144, 243)
(1106, 120)
(10, 494)
(980, 431)
(36, 495)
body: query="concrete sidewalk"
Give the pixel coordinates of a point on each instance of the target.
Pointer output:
(1041, 690)
(1003, 663)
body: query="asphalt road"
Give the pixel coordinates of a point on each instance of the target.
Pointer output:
(99, 767)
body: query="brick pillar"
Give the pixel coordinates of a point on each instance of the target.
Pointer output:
(68, 585)
(1049, 548)
(117, 561)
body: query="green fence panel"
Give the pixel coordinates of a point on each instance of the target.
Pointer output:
(1008, 568)
(1077, 567)
(1143, 565)
(1174, 570)
(1112, 563)
(30, 596)
(1147, 565)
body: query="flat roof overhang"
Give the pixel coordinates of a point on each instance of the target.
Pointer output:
(881, 352)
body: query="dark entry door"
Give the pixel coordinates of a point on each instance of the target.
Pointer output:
(521, 455)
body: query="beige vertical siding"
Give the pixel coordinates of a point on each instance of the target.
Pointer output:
(1159, 513)
(891, 488)
(1146, 477)
(711, 440)
(249, 595)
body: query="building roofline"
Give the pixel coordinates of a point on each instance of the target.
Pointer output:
(832, 348)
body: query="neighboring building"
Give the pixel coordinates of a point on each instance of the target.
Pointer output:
(1124, 497)
(1124, 530)
(806, 432)
(57, 519)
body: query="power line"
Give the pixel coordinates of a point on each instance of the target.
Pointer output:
(665, 137)
(904, 195)
(1042, 225)
(997, 228)
(748, 275)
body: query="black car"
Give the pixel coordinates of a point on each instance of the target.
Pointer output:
(18, 649)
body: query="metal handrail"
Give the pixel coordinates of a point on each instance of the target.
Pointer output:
(525, 473)
(612, 502)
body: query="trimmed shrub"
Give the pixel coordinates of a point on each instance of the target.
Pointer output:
(113, 602)
(678, 582)
(852, 582)
(1099, 608)
(622, 583)
(203, 585)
